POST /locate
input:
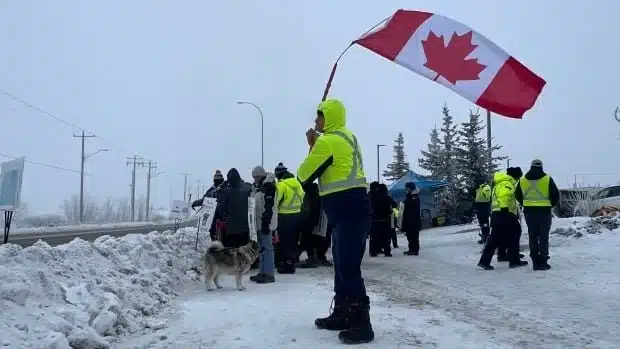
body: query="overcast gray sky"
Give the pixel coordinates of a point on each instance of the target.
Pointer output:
(160, 79)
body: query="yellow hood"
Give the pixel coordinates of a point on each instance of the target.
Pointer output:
(334, 113)
(500, 177)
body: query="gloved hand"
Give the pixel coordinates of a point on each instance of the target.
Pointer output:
(197, 203)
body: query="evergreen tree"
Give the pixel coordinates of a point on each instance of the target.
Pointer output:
(472, 152)
(449, 145)
(399, 166)
(430, 159)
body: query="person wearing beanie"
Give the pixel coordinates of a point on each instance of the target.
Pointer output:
(538, 193)
(266, 217)
(412, 221)
(336, 160)
(504, 220)
(482, 206)
(232, 211)
(380, 234)
(218, 184)
(289, 200)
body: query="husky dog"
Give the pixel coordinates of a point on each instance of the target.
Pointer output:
(235, 261)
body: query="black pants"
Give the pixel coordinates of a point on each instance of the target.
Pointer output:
(483, 221)
(380, 238)
(413, 240)
(323, 244)
(538, 221)
(288, 231)
(235, 240)
(505, 229)
(394, 237)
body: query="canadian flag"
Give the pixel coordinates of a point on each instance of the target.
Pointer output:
(459, 58)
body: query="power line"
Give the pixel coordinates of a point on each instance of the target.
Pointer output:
(41, 110)
(48, 165)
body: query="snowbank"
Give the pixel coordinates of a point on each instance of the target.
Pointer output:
(581, 226)
(83, 295)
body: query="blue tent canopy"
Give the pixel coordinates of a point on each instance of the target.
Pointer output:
(420, 181)
(427, 194)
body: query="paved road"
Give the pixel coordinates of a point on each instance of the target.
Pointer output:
(90, 235)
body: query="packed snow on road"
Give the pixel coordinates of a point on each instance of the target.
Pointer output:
(144, 291)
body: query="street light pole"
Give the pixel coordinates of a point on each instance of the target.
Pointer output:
(262, 131)
(379, 161)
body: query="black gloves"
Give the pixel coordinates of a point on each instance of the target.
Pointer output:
(197, 203)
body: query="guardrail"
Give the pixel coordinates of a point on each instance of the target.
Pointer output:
(61, 235)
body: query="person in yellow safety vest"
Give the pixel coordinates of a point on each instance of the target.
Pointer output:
(505, 225)
(482, 206)
(538, 193)
(335, 158)
(394, 222)
(289, 199)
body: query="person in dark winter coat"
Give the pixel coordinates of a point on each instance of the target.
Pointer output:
(538, 193)
(380, 227)
(311, 218)
(412, 221)
(213, 192)
(232, 208)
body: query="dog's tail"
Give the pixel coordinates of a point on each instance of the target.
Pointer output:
(214, 246)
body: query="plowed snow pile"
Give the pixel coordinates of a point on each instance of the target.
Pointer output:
(582, 226)
(85, 295)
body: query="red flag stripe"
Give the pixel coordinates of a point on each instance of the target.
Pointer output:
(513, 91)
(390, 40)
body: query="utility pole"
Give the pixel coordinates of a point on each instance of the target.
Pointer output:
(198, 188)
(379, 161)
(151, 166)
(489, 138)
(83, 136)
(185, 174)
(133, 161)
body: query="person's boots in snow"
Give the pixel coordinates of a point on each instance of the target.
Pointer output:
(338, 319)
(324, 262)
(288, 267)
(310, 262)
(411, 253)
(265, 279)
(360, 329)
(486, 266)
(541, 263)
(519, 263)
(253, 278)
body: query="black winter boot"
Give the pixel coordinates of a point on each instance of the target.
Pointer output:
(360, 329)
(540, 263)
(311, 262)
(338, 319)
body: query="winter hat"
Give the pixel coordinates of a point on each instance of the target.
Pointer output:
(259, 171)
(410, 185)
(280, 169)
(218, 175)
(514, 172)
(537, 163)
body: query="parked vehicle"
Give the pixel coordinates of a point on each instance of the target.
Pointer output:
(603, 201)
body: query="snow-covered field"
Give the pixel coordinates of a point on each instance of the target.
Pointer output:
(141, 291)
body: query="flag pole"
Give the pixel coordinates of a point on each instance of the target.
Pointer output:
(489, 139)
(333, 72)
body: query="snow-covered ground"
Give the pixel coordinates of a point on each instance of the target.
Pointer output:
(122, 293)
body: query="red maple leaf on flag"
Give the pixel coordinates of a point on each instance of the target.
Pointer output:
(451, 61)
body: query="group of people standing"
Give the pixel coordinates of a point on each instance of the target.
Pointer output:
(499, 215)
